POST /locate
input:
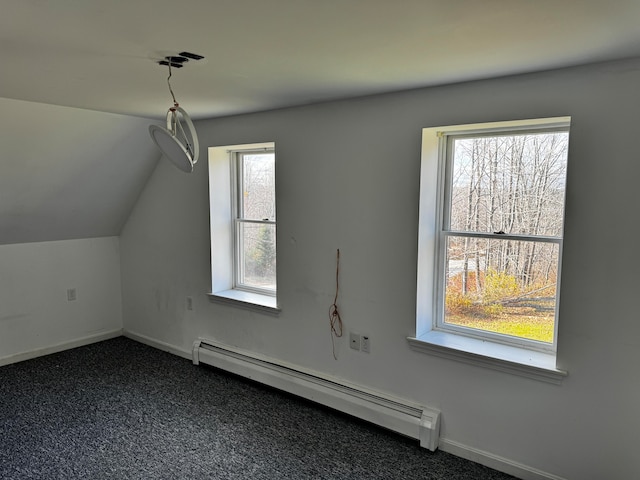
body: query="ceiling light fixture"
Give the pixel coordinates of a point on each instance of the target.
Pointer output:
(178, 141)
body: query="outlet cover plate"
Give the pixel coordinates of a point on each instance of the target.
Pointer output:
(354, 341)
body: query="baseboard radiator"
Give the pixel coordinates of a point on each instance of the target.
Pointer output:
(408, 419)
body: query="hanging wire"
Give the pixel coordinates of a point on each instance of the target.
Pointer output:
(334, 315)
(169, 83)
(175, 124)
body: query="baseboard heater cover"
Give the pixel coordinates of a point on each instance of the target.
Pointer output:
(398, 415)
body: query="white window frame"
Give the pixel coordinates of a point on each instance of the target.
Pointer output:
(522, 356)
(238, 203)
(222, 205)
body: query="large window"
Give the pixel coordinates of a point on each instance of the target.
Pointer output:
(490, 242)
(255, 221)
(500, 239)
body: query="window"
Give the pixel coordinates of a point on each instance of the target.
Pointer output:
(491, 225)
(255, 221)
(242, 205)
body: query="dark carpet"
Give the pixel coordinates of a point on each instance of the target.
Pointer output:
(122, 410)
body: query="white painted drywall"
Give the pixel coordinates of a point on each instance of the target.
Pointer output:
(35, 315)
(348, 178)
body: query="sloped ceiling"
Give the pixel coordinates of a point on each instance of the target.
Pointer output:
(76, 172)
(69, 173)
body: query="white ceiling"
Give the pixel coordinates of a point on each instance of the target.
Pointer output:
(264, 54)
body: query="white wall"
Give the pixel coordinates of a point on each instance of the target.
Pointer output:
(35, 316)
(348, 178)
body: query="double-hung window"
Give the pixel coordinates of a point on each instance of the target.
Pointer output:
(491, 226)
(242, 205)
(255, 221)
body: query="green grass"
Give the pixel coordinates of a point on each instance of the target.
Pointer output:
(533, 320)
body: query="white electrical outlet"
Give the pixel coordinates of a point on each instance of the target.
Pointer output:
(366, 344)
(354, 341)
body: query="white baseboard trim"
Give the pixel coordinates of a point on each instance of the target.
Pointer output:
(152, 342)
(59, 347)
(496, 462)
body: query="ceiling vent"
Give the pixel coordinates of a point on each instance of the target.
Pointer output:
(178, 61)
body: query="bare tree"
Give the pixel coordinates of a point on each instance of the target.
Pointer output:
(512, 184)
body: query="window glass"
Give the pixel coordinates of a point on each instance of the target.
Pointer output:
(258, 262)
(502, 286)
(258, 186)
(255, 227)
(502, 223)
(509, 183)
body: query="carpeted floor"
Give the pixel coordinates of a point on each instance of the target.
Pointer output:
(122, 410)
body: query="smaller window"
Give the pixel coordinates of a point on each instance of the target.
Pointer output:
(255, 221)
(242, 207)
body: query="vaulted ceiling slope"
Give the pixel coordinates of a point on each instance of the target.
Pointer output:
(264, 54)
(69, 173)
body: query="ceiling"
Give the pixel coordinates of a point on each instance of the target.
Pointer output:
(69, 173)
(265, 54)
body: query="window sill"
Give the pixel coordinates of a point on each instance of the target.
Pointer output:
(518, 361)
(249, 300)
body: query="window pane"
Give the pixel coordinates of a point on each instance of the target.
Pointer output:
(502, 286)
(257, 255)
(514, 183)
(258, 186)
